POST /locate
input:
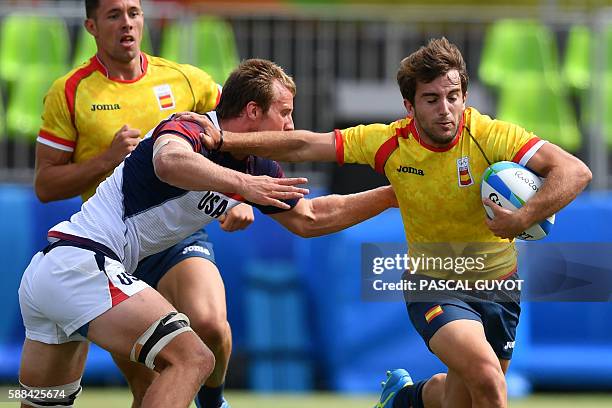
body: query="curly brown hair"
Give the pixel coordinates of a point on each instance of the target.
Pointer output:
(437, 58)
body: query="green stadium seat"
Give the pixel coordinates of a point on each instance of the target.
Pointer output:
(207, 43)
(541, 107)
(578, 71)
(607, 113)
(25, 106)
(86, 46)
(39, 45)
(517, 47)
(2, 119)
(577, 61)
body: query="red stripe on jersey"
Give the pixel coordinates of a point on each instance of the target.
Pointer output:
(339, 147)
(190, 131)
(52, 138)
(73, 82)
(117, 296)
(219, 92)
(403, 132)
(144, 63)
(517, 158)
(509, 274)
(464, 172)
(383, 153)
(56, 234)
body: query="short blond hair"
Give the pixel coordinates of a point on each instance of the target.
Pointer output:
(253, 80)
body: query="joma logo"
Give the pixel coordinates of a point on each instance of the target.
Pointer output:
(106, 107)
(410, 170)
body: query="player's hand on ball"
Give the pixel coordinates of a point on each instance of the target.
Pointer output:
(505, 223)
(238, 218)
(125, 141)
(211, 138)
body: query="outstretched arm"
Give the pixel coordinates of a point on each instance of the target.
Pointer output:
(565, 177)
(288, 146)
(177, 164)
(332, 213)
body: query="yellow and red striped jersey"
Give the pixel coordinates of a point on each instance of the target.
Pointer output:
(438, 189)
(85, 108)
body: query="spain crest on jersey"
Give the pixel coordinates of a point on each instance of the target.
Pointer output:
(165, 99)
(463, 172)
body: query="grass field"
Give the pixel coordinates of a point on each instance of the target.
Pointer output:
(118, 397)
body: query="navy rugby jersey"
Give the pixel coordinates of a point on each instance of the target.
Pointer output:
(135, 214)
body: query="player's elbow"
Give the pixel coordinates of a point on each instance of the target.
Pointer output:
(584, 174)
(306, 226)
(43, 196)
(43, 193)
(162, 164)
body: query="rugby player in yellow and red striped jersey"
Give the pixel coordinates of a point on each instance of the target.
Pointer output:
(434, 160)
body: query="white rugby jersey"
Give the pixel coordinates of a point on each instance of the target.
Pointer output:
(135, 214)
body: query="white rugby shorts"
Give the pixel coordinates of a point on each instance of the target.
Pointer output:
(65, 289)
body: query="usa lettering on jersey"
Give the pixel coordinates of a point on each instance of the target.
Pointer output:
(213, 205)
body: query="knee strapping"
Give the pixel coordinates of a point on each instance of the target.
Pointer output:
(157, 336)
(58, 396)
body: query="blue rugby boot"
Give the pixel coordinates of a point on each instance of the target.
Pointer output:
(396, 380)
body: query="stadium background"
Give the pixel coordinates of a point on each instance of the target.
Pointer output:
(298, 320)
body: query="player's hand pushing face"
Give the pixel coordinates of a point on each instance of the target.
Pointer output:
(265, 190)
(126, 139)
(211, 138)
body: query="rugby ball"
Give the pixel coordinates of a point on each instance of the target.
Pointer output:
(510, 185)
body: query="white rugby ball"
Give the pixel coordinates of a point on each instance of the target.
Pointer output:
(510, 185)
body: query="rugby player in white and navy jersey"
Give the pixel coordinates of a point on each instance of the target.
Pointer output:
(80, 287)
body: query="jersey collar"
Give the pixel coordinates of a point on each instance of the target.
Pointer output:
(413, 129)
(144, 63)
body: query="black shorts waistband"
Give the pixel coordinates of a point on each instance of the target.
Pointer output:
(79, 242)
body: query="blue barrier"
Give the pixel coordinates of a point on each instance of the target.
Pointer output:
(352, 341)
(15, 255)
(278, 341)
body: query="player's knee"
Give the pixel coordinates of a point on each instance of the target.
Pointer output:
(215, 333)
(186, 353)
(434, 387)
(487, 382)
(155, 347)
(55, 396)
(190, 355)
(203, 360)
(436, 381)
